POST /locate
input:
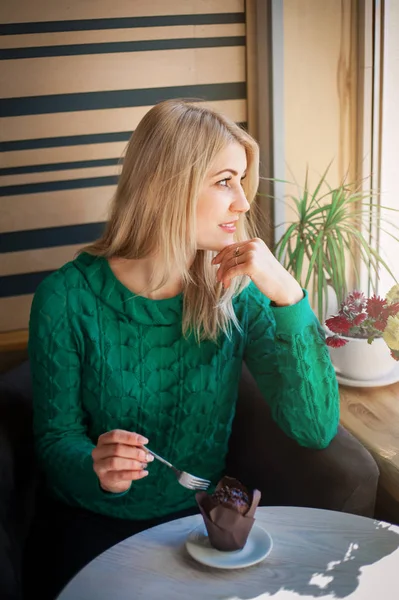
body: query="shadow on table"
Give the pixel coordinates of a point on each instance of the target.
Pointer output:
(338, 576)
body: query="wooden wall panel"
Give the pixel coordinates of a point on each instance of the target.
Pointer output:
(75, 79)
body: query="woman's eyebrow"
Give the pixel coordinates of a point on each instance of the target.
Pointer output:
(232, 171)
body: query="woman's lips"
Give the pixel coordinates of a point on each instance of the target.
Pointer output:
(228, 227)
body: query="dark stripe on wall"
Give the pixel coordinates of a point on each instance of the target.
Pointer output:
(120, 23)
(56, 103)
(71, 140)
(66, 166)
(65, 140)
(18, 285)
(50, 237)
(57, 186)
(113, 47)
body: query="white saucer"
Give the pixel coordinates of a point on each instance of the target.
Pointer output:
(392, 377)
(258, 546)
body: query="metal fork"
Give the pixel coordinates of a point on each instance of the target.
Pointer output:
(185, 479)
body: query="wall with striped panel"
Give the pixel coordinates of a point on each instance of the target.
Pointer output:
(75, 79)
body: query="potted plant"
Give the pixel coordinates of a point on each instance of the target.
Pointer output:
(327, 236)
(364, 335)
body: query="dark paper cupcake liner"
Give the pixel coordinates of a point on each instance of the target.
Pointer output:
(227, 529)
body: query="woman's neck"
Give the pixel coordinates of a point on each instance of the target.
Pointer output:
(140, 276)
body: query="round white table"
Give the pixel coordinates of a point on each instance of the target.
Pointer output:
(315, 554)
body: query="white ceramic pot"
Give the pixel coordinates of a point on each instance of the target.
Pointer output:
(363, 361)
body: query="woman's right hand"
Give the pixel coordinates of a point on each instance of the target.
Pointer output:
(119, 458)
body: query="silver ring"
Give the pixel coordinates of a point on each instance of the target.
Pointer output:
(237, 251)
(236, 261)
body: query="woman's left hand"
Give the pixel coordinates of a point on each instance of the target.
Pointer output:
(253, 258)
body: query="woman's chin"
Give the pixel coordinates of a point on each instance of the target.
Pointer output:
(217, 246)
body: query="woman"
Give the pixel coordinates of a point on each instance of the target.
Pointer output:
(140, 339)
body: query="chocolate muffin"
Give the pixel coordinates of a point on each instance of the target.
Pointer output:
(232, 497)
(228, 514)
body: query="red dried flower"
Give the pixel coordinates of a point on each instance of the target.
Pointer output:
(375, 306)
(380, 324)
(358, 320)
(390, 310)
(355, 302)
(339, 324)
(335, 342)
(361, 318)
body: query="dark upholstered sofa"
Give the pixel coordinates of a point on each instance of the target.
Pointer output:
(342, 477)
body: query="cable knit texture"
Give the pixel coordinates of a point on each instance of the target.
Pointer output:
(103, 358)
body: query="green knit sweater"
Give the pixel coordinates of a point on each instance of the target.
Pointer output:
(105, 359)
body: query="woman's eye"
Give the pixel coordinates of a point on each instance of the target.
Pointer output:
(223, 182)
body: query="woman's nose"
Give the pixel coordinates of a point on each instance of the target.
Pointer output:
(240, 203)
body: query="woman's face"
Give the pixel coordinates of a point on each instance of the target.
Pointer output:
(222, 200)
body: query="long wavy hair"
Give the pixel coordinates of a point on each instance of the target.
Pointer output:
(153, 212)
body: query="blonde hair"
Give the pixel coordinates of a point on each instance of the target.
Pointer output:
(154, 208)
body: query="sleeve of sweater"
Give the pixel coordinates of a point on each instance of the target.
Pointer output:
(62, 443)
(287, 355)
